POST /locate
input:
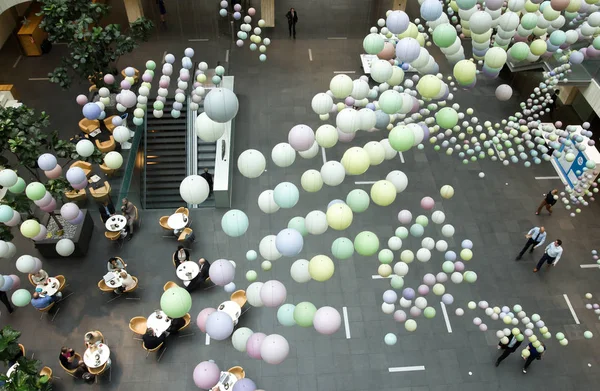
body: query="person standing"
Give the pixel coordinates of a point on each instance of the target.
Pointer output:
(535, 238)
(4, 299)
(534, 354)
(209, 179)
(162, 10)
(292, 17)
(509, 348)
(129, 212)
(548, 202)
(551, 255)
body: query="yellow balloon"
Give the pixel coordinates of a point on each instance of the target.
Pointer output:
(339, 216)
(384, 270)
(356, 161)
(321, 268)
(383, 193)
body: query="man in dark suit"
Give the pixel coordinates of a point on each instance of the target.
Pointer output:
(201, 277)
(510, 347)
(151, 341)
(292, 17)
(209, 178)
(106, 210)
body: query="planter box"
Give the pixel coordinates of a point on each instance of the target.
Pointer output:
(82, 238)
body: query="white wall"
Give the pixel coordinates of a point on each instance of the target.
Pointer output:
(592, 95)
(7, 25)
(6, 4)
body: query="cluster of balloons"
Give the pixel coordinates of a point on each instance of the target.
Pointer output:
(37, 193)
(593, 307)
(26, 264)
(207, 375)
(8, 282)
(595, 257)
(246, 29)
(326, 320)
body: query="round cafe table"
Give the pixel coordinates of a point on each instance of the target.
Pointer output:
(113, 279)
(232, 309)
(98, 357)
(116, 223)
(178, 221)
(226, 381)
(158, 325)
(12, 369)
(188, 270)
(50, 288)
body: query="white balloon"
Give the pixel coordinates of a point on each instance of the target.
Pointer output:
(251, 163)
(333, 173)
(299, 271)
(194, 189)
(267, 248)
(267, 203)
(310, 152)
(398, 179)
(208, 130)
(283, 155)
(316, 222)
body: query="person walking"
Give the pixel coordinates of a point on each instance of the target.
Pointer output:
(509, 348)
(533, 355)
(163, 11)
(209, 179)
(548, 201)
(292, 17)
(535, 238)
(551, 255)
(4, 299)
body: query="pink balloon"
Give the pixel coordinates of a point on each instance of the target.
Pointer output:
(16, 281)
(42, 234)
(427, 203)
(251, 11)
(16, 219)
(81, 185)
(301, 137)
(50, 207)
(45, 200)
(273, 293)
(147, 77)
(459, 266)
(400, 316)
(254, 343)
(81, 99)
(345, 137)
(163, 83)
(423, 290)
(327, 320)
(109, 79)
(125, 84)
(274, 349)
(38, 265)
(201, 318)
(206, 375)
(54, 173)
(77, 220)
(221, 272)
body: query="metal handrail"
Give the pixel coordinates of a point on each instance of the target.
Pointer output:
(144, 179)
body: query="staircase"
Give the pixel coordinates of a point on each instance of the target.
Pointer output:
(206, 153)
(165, 158)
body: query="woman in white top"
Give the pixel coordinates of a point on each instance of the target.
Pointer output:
(127, 281)
(115, 264)
(181, 255)
(39, 277)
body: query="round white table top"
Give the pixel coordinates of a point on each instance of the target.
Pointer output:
(50, 287)
(232, 309)
(113, 279)
(177, 221)
(97, 357)
(226, 381)
(158, 325)
(116, 223)
(188, 270)
(12, 369)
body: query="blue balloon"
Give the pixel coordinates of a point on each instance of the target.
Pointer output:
(450, 256)
(91, 111)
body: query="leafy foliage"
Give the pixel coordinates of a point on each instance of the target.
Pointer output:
(9, 344)
(26, 377)
(94, 49)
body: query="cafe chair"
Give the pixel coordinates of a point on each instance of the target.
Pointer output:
(106, 146)
(87, 125)
(169, 285)
(152, 350)
(163, 223)
(76, 195)
(114, 236)
(137, 219)
(108, 123)
(184, 211)
(188, 319)
(46, 371)
(30, 276)
(101, 193)
(71, 372)
(62, 281)
(22, 349)
(103, 287)
(106, 170)
(134, 287)
(238, 372)
(85, 166)
(185, 234)
(98, 371)
(138, 325)
(136, 75)
(239, 297)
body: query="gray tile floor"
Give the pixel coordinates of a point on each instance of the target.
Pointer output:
(493, 212)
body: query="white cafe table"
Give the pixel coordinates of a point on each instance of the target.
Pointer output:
(187, 271)
(113, 280)
(226, 381)
(116, 223)
(178, 221)
(50, 288)
(232, 309)
(12, 369)
(158, 325)
(95, 358)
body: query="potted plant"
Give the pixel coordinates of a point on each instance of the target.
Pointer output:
(26, 377)
(9, 345)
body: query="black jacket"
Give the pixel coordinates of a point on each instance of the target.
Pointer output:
(152, 342)
(103, 214)
(204, 270)
(291, 20)
(514, 348)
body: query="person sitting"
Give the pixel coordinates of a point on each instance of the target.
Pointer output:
(151, 341)
(181, 255)
(40, 302)
(128, 211)
(106, 210)
(127, 282)
(115, 265)
(67, 358)
(93, 338)
(80, 370)
(201, 277)
(40, 277)
(176, 324)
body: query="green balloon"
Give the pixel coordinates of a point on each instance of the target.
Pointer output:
(35, 191)
(285, 315)
(470, 276)
(366, 243)
(19, 187)
(150, 65)
(519, 51)
(304, 314)
(448, 267)
(176, 302)
(358, 200)
(444, 35)
(158, 105)
(588, 334)
(397, 282)
(401, 232)
(560, 336)
(422, 220)
(429, 312)
(385, 256)
(299, 225)
(390, 339)
(529, 21)
(402, 138)
(251, 255)
(520, 337)
(342, 248)
(446, 118)
(373, 43)
(266, 265)
(21, 297)
(251, 275)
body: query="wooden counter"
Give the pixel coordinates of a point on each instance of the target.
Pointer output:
(31, 35)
